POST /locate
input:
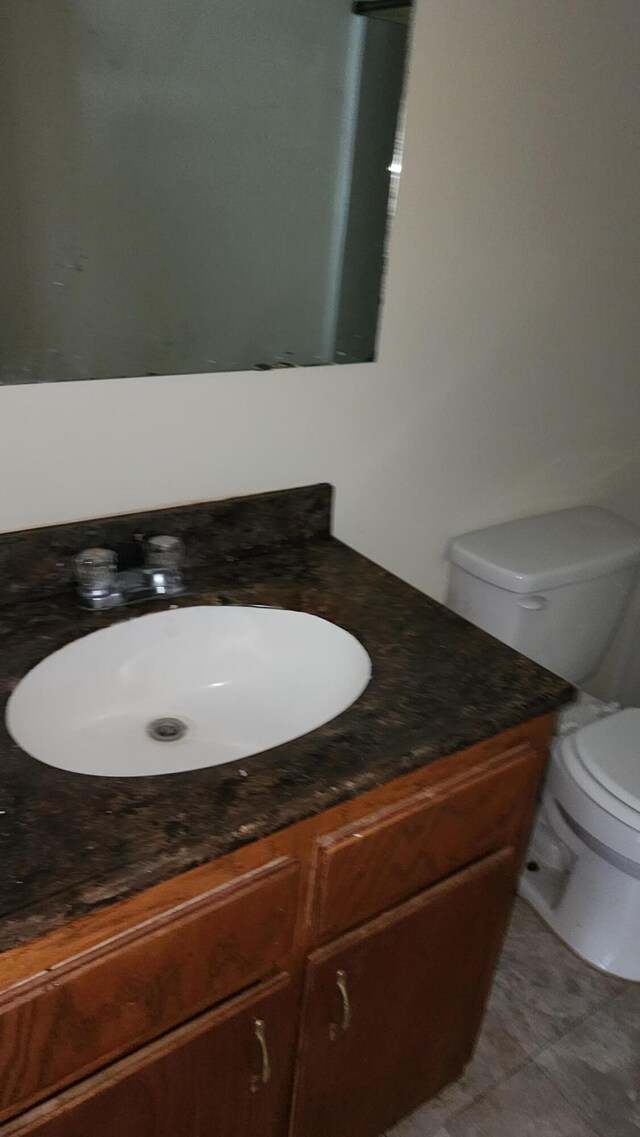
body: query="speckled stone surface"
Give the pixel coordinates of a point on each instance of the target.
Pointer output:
(70, 843)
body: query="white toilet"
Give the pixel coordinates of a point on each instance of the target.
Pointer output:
(555, 588)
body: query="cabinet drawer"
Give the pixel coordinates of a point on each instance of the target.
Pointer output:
(78, 1016)
(385, 858)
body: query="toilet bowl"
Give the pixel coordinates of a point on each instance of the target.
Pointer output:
(555, 588)
(582, 868)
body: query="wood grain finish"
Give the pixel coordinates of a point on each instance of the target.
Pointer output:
(196, 1082)
(384, 858)
(105, 1002)
(417, 979)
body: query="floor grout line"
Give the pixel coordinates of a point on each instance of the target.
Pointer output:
(575, 1023)
(615, 996)
(597, 1132)
(572, 1105)
(531, 1060)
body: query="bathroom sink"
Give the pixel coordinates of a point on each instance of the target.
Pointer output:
(184, 689)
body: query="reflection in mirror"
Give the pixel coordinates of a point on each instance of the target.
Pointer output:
(194, 186)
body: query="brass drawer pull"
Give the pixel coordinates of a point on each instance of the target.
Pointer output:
(261, 1079)
(337, 1029)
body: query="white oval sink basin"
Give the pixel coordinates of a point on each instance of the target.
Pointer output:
(184, 689)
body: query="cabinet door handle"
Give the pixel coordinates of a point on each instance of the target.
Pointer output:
(337, 1029)
(261, 1079)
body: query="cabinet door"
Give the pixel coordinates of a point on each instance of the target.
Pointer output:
(392, 1010)
(226, 1074)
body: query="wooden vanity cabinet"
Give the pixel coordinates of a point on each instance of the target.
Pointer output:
(364, 939)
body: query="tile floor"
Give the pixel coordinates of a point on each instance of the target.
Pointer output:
(559, 1054)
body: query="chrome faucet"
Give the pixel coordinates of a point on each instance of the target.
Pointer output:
(100, 584)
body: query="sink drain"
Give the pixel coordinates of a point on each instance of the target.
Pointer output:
(167, 729)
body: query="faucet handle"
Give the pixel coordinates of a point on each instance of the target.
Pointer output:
(95, 571)
(164, 552)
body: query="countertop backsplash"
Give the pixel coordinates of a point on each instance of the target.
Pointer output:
(39, 562)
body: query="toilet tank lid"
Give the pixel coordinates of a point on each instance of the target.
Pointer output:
(548, 550)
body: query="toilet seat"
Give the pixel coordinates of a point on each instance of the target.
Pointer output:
(604, 760)
(610, 751)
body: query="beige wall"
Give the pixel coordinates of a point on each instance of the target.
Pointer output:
(507, 378)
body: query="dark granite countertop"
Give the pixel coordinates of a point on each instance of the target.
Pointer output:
(71, 843)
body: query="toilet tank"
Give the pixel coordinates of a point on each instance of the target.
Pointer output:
(554, 586)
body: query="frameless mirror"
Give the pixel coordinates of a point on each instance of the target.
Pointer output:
(202, 185)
